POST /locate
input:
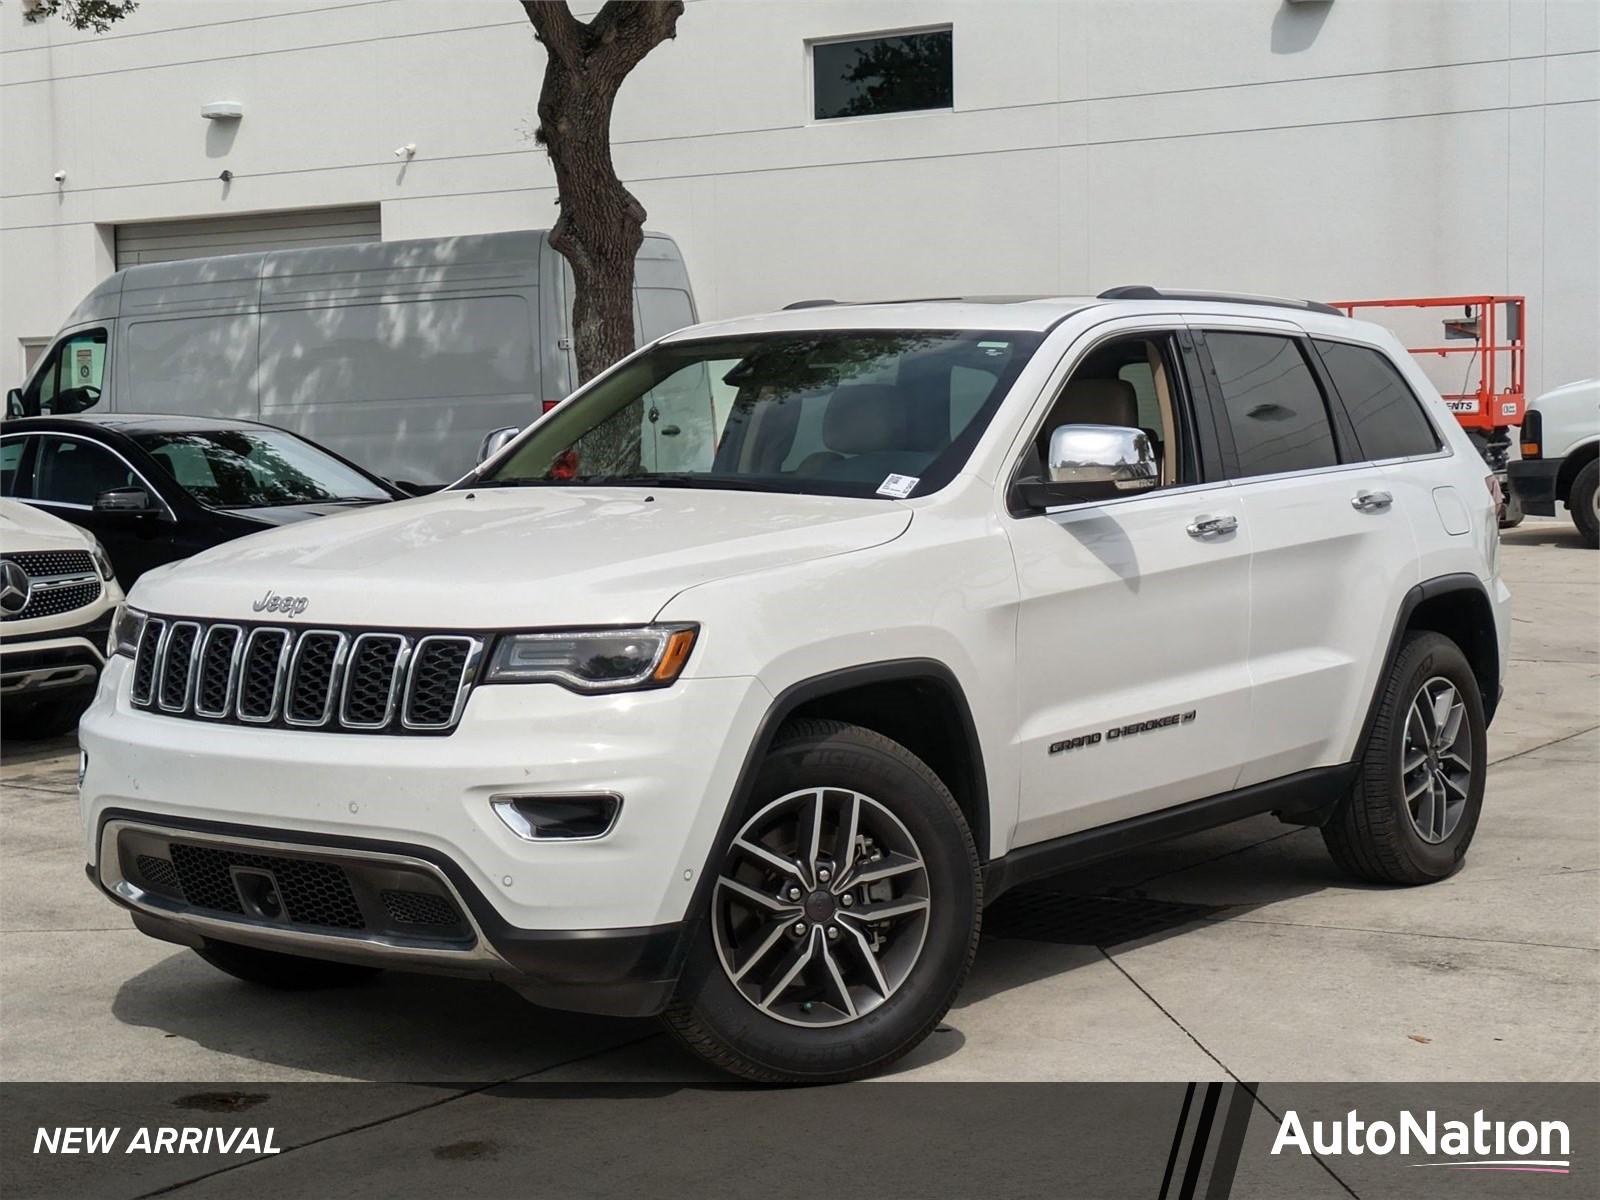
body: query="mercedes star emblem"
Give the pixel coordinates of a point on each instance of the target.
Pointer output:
(15, 587)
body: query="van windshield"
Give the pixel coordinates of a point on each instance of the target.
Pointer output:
(847, 413)
(266, 468)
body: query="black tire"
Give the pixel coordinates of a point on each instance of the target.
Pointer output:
(1580, 503)
(39, 719)
(711, 1017)
(284, 972)
(1371, 835)
(1511, 513)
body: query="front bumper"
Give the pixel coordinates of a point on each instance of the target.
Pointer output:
(377, 903)
(590, 924)
(52, 662)
(1534, 481)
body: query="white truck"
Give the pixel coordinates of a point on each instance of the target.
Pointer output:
(734, 687)
(1560, 461)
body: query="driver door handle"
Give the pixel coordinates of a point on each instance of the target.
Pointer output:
(1208, 527)
(1367, 501)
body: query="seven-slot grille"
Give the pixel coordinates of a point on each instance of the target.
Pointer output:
(324, 679)
(60, 581)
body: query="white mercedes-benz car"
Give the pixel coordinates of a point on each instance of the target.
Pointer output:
(57, 599)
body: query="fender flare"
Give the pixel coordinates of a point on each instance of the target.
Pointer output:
(781, 708)
(1430, 589)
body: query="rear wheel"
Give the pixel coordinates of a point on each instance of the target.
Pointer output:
(1583, 502)
(843, 919)
(1415, 806)
(285, 972)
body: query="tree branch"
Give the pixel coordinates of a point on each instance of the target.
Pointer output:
(560, 31)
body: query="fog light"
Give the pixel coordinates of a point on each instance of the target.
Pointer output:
(83, 767)
(581, 816)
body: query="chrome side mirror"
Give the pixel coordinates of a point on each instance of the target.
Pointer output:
(1091, 462)
(495, 441)
(1102, 456)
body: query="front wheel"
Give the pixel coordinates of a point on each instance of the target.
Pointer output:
(843, 919)
(1414, 808)
(1583, 502)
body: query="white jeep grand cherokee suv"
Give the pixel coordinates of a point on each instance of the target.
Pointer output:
(738, 684)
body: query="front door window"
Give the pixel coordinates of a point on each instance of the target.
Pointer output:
(72, 377)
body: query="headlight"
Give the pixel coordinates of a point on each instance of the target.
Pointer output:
(594, 660)
(103, 561)
(127, 630)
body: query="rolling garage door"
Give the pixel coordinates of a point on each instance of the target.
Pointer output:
(166, 241)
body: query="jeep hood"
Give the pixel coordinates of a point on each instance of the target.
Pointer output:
(515, 557)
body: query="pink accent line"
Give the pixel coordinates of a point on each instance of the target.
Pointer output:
(1528, 1170)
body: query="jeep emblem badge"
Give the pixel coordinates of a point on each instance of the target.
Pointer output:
(289, 606)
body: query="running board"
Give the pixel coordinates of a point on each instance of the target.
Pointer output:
(1306, 798)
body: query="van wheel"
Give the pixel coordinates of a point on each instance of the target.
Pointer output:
(285, 972)
(843, 919)
(1414, 808)
(1583, 502)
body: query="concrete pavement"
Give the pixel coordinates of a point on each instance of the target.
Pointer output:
(1282, 970)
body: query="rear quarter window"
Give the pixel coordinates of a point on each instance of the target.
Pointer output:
(1387, 415)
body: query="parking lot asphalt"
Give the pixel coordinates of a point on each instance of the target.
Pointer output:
(1251, 957)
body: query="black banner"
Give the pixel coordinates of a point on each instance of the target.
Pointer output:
(884, 1139)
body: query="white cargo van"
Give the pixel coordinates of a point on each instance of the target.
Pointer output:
(397, 355)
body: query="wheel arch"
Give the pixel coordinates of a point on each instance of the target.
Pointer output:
(1576, 460)
(1458, 607)
(829, 695)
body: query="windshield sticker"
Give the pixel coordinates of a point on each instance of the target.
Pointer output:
(898, 486)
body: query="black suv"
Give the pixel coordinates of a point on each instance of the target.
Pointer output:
(158, 488)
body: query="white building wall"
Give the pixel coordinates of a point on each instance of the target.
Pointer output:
(1334, 149)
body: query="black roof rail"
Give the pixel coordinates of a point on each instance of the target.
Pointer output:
(1140, 291)
(808, 304)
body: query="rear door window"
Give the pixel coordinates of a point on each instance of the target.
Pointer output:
(11, 466)
(1273, 404)
(1386, 413)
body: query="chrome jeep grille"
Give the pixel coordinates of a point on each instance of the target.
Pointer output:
(332, 680)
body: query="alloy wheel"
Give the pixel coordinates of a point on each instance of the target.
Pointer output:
(1436, 760)
(821, 909)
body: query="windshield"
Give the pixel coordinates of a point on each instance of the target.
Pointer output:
(845, 413)
(255, 468)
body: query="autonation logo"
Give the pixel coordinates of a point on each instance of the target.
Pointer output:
(1539, 1148)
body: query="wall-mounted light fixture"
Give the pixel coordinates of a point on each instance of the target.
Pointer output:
(222, 110)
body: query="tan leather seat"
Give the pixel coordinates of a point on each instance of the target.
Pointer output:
(1095, 402)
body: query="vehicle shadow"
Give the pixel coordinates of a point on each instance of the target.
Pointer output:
(1558, 532)
(413, 1027)
(18, 753)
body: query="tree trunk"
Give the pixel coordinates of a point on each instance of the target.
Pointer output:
(601, 224)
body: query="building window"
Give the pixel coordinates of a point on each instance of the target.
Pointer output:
(891, 73)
